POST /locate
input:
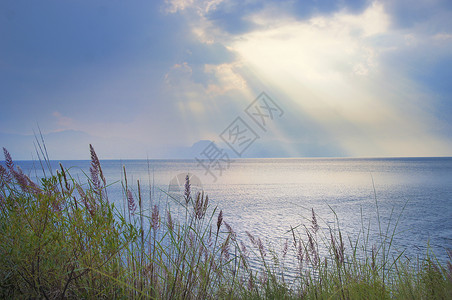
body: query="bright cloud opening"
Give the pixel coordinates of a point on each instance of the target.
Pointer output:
(331, 70)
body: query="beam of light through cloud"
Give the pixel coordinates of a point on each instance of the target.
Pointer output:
(334, 70)
(367, 79)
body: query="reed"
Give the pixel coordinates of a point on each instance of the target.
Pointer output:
(62, 238)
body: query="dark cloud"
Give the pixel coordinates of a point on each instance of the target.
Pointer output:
(232, 16)
(60, 56)
(103, 63)
(306, 9)
(406, 14)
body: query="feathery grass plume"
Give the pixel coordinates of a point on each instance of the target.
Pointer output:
(94, 171)
(199, 206)
(300, 255)
(312, 248)
(261, 248)
(206, 203)
(310, 242)
(25, 182)
(285, 248)
(244, 254)
(225, 248)
(230, 230)
(2, 171)
(80, 190)
(314, 226)
(243, 248)
(374, 258)
(155, 218)
(293, 235)
(169, 220)
(21, 179)
(17, 175)
(191, 240)
(187, 190)
(5, 176)
(34, 187)
(8, 160)
(131, 202)
(338, 250)
(219, 221)
(251, 237)
(96, 164)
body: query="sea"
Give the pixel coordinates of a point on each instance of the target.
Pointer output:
(404, 202)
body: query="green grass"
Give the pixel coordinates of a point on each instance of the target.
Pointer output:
(63, 239)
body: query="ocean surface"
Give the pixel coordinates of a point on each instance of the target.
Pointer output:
(407, 198)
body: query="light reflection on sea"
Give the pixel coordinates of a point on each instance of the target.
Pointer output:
(267, 196)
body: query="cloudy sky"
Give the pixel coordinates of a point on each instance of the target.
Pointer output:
(151, 79)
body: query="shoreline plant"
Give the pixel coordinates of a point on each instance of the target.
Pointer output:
(62, 238)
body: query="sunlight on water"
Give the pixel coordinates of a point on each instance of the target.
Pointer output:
(267, 196)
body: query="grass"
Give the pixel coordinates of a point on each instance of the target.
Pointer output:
(61, 238)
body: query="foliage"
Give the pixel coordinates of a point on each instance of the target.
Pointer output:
(64, 239)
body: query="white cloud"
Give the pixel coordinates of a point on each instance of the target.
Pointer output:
(195, 11)
(317, 52)
(373, 21)
(173, 6)
(333, 69)
(201, 104)
(227, 78)
(220, 79)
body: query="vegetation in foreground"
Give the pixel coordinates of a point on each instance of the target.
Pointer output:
(64, 239)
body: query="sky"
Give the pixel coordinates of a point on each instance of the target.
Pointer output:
(162, 79)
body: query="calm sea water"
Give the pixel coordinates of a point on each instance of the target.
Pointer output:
(267, 196)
